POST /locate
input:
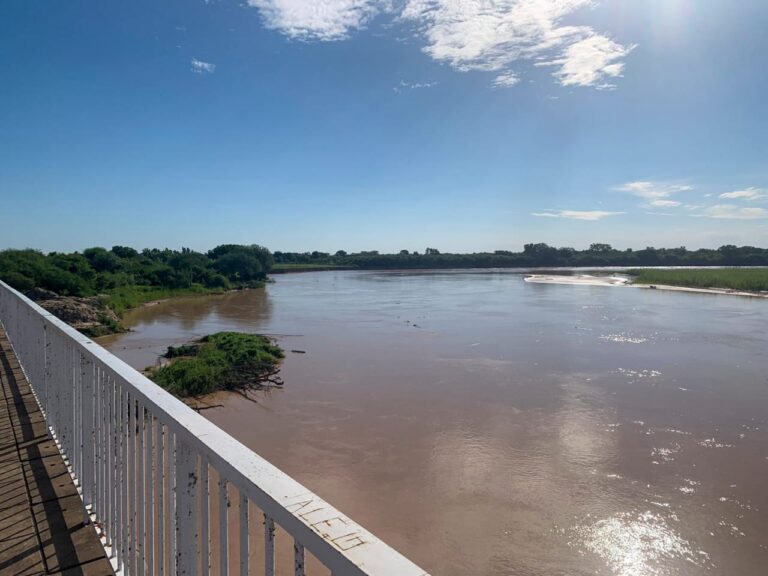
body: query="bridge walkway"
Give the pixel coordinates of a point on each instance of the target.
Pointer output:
(42, 528)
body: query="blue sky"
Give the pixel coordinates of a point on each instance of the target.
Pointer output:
(368, 125)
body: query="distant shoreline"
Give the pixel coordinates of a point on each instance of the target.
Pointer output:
(283, 269)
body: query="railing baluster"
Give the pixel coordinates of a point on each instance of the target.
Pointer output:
(130, 465)
(88, 430)
(160, 480)
(159, 503)
(77, 446)
(65, 371)
(77, 466)
(102, 436)
(186, 523)
(105, 460)
(97, 509)
(298, 558)
(205, 561)
(223, 527)
(122, 413)
(46, 372)
(149, 490)
(171, 447)
(115, 443)
(243, 534)
(138, 479)
(269, 546)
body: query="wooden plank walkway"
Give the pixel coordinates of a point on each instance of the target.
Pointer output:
(42, 529)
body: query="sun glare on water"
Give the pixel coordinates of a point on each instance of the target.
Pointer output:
(638, 545)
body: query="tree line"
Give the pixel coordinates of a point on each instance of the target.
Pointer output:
(534, 255)
(98, 270)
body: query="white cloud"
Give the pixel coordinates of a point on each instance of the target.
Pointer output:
(576, 214)
(506, 80)
(665, 203)
(200, 67)
(733, 212)
(316, 19)
(748, 194)
(590, 62)
(653, 190)
(493, 35)
(403, 85)
(487, 35)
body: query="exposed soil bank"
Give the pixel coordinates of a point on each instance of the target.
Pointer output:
(87, 314)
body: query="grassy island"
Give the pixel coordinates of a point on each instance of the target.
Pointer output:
(221, 361)
(741, 279)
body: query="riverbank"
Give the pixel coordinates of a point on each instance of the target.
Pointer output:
(102, 315)
(127, 298)
(290, 268)
(89, 315)
(95, 287)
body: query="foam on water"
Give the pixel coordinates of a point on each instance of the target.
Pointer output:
(712, 443)
(624, 338)
(639, 374)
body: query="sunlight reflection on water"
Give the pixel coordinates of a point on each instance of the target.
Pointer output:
(637, 544)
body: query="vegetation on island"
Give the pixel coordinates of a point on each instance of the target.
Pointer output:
(108, 282)
(533, 255)
(741, 279)
(221, 361)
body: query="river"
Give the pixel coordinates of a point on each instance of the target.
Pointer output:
(483, 425)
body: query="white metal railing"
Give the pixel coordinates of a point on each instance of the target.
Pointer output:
(170, 492)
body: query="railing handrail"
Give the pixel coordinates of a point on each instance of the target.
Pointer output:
(339, 543)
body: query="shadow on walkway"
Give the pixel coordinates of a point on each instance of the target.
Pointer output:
(42, 519)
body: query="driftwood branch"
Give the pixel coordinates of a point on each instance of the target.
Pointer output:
(199, 408)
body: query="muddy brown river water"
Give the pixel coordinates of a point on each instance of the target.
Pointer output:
(482, 425)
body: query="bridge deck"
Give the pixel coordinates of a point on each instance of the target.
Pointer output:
(42, 529)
